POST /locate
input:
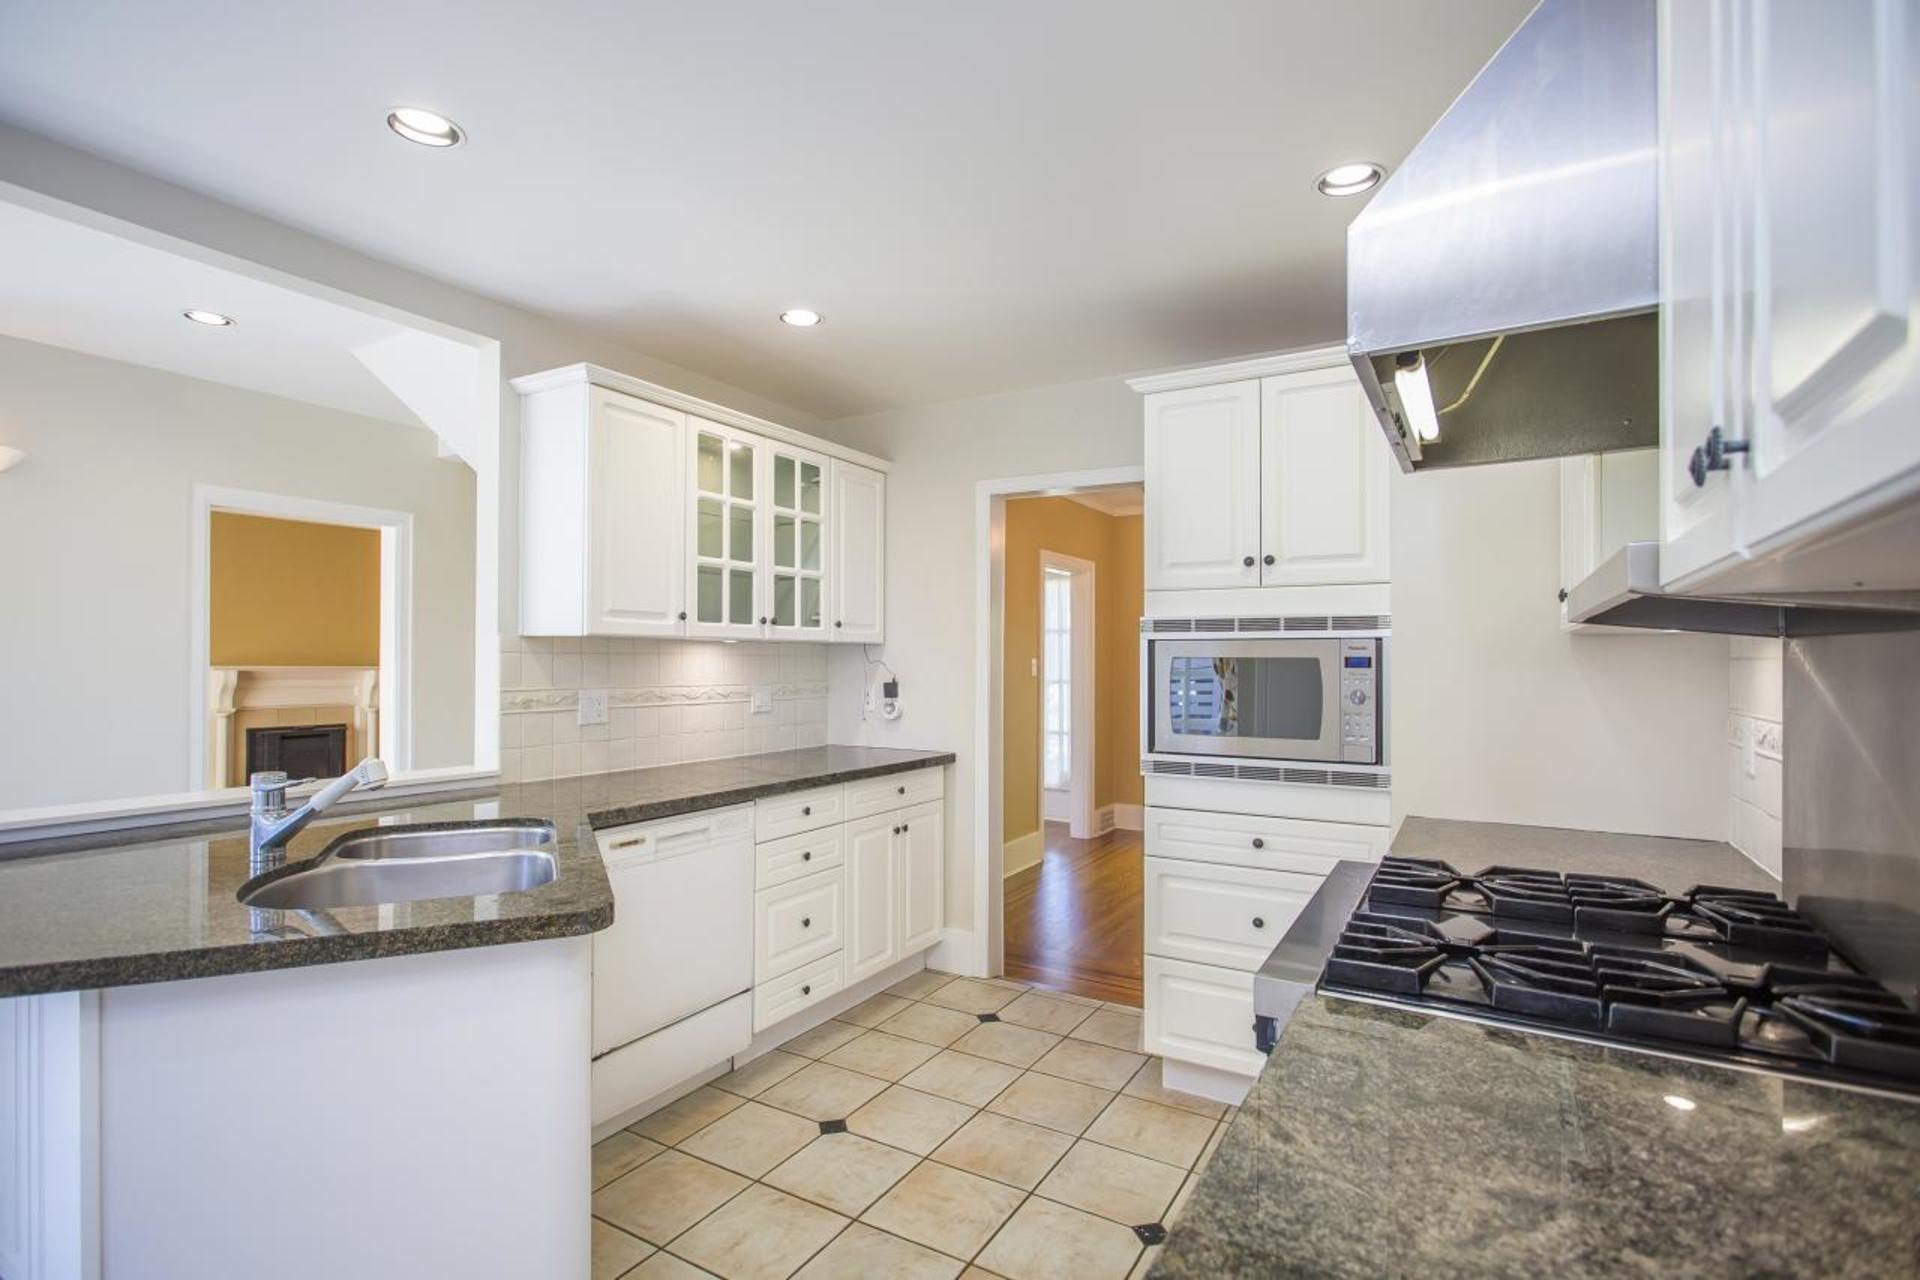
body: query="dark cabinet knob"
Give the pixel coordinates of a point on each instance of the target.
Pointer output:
(838, 623)
(807, 990)
(1266, 559)
(903, 828)
(1247, 561)
(807, 856)
(896, 831)
(806, 922)
(1563, 595)
(1712, 455)
(683, 615)
(1258, 843)
(763, 622)
(806, 811)
(1258, 923)
(901, 790)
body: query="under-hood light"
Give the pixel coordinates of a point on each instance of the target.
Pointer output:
(1416, 395)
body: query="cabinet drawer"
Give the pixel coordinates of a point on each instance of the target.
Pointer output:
(1272, 844)
(787, 995)
(895, 791)
(1215, 914)
(802, 811)
(1200, 1014)
(779, 861)
(796, 923)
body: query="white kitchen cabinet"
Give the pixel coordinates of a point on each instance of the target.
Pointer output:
(1324, 477)
(858, 581)
(873, 922)
(726, 590)
(1200, 1013)
(1214, 914)
(602, 515)
(798, 554)
(1203, 487)
(921, 868)
(1300, 845)
(797, 923)
(1789, 277)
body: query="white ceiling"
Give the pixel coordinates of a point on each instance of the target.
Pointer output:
(74, 286)
(978, 196)
(1118, 500)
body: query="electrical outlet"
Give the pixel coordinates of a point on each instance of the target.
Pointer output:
(762, 703)
(593, 706)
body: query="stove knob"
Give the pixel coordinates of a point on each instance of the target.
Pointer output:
(1358, 697)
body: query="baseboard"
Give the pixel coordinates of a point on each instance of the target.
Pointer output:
(1023, 852)
(959, 951)
(1122, 817)
(1206, 1082)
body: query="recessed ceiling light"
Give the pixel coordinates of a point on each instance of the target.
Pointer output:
(428, 128)
(213, 318)
(1349, 179)
(800, 318)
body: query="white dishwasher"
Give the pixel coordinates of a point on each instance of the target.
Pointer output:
(681, 941)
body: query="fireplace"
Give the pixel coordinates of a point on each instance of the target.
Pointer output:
(300, 751)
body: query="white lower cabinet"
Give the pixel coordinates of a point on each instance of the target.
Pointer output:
(873, 924)
(795, 924)
(1202, 1014)
(788, 994)
(1275, 844)
(1221, 915)
(921, 860)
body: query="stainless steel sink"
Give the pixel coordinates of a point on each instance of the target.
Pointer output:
(398, 864)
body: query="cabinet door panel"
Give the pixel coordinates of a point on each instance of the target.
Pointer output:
(1212, 914)
(1201, 1014)
(636, 577)
(1298, 845)
(796, 923)
(730, 530)
(921, 844)
(858, 580)
(1203, 487)
(873, 923)
(1324, 480)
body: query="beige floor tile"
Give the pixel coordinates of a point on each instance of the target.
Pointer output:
(1213, 1145)
(875, 1010)
(823, 1091)
(1112, 1028)
(930, 1024)
(615, 1252)
(619, 1153)
(1046, 1013)
(1066, 1105)
(1048, 1241)
(908, 1119)
(761, 1074)
(1116, 1185)
(1148, 1086)
(1004, 1042)
(879, 1054)
(970, 995)
(664, 1266)
(761, 1234)
(665, 1196)
(1090, 1063)
(685, 1117)
(843, 1171)
(862, 1253)
(945, 1209)
(1149, 1129)
(920, 985)
(822, 1040)
(1009, 1151)
(962, 1077)
(751, 1139)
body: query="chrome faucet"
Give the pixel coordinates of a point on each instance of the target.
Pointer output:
(273, 826)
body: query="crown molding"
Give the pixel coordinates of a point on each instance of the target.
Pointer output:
(1302, 360)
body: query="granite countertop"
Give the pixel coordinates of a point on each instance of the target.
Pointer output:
(1383, 1142)
(151, 905)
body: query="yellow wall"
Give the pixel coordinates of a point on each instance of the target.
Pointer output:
(286, 593)
(1114, 545)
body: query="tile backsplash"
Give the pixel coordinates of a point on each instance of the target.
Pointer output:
(668, 701)
(1755, 727)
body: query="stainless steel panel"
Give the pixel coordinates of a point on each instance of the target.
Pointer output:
(1851, 857)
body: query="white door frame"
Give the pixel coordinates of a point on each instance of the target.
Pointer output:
(396, 610)
(1081, 683)
(986, 950)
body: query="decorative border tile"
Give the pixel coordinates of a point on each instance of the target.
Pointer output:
(520, 700)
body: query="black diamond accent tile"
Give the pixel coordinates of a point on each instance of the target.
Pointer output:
(1151, 1233)
(988, 1017)
(833, 1126)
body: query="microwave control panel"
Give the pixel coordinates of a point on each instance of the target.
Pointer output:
(1360, 701)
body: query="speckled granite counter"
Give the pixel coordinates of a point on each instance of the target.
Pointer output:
(131, 907)
(1382, 1142)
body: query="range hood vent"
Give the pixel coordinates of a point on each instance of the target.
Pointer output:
(1515, 252)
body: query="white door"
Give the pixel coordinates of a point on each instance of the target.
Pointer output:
(858, 580)
(1836, 142)
(1700, 274)
(636, 568)
(797, 555)
(1203, 487)
(1324, 473)
(921, 843)
(724, 594)
(873, 930)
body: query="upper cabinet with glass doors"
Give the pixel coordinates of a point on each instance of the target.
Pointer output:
(641, 518)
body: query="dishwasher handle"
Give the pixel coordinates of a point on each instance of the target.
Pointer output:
(673, 838)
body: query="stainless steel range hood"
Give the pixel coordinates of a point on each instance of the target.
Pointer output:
(1513, 258)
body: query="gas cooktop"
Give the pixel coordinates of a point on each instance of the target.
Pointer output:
(1718, 974)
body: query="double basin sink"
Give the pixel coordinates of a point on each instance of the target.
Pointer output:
(402, 864)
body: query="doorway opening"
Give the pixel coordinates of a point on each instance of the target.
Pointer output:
(1068, 764)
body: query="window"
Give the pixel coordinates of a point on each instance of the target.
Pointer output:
(1056, 687)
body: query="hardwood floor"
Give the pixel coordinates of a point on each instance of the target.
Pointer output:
(1074, 920)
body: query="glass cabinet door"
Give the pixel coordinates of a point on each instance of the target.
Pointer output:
(798, 504)
(725, 546)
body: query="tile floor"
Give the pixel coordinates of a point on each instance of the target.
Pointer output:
(948, 1126)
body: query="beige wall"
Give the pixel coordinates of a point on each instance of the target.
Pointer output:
(1113, 545)
(291, 593)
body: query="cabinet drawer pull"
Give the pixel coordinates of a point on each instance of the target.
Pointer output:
(806, 811)
(1266, 559)
(806, 922)
(807, 856)
(1258, 843)
(807, 990)
(1247, 561)
(628, 843)
(896, 831)
(1258, 923)
(901, 790)
(839, 624)
(683, 615)
(903, 828)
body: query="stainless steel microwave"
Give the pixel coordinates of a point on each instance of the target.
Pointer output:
(1268, 698)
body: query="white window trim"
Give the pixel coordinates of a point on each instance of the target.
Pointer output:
(1081, 683)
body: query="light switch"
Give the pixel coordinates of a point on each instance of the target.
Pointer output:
(762, 700)
(593, 706)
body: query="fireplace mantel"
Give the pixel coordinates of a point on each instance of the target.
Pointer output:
(234, 692)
